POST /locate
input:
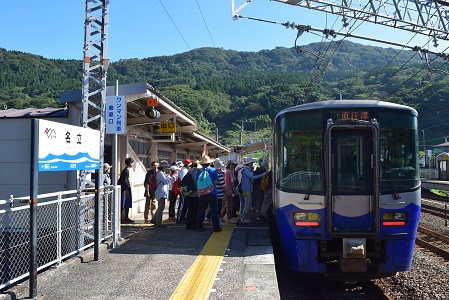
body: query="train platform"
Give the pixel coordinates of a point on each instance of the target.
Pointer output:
(167, 263)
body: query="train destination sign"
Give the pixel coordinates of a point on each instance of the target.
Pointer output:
(350, 115)
(65, 147)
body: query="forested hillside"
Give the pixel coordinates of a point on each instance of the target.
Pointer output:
(220, 88)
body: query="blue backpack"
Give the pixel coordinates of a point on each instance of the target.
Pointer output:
(204, 183)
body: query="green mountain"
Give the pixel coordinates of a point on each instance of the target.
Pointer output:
(222, 88)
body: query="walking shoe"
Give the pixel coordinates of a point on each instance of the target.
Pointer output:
(153, 222)
(218, 230)
(145, 221)
(261, 218)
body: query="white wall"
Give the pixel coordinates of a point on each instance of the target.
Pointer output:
(15, 159)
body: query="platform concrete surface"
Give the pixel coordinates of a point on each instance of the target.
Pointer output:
(150, 263)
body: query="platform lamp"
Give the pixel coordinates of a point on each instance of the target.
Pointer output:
(151, 112)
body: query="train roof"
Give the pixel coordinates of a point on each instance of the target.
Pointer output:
(346, 103)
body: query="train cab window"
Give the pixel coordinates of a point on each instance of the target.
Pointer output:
(399, 169)
(298, 152)
(350, 157)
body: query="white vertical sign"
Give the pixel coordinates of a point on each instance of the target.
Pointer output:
(115, 115)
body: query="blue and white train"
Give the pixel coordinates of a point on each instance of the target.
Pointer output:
(346, 187)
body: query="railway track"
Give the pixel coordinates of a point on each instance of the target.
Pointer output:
(436, 211)
(433, 241)
(360, 290)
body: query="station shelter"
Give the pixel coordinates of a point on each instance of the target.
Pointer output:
(171, 134)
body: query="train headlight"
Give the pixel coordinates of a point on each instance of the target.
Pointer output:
(394, 219)
(307, 219)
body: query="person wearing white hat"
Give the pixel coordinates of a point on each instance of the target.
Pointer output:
(247, 188)
(208, 194)
(106, 175)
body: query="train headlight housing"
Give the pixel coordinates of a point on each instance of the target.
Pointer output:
(307, 219)
(394, 219)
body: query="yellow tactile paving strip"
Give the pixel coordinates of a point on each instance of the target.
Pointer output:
(198, 281)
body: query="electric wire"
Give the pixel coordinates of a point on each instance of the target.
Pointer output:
(410, 78)
(351, 29)
(204, 20)
(175, 25)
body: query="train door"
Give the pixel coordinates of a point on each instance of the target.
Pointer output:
(351, 181)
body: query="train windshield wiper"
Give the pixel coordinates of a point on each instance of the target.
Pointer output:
(309, 189)
(394, 186)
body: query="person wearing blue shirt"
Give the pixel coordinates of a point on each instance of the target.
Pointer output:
(208, 199)
(247, 187)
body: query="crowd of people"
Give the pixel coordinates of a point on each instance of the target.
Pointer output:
(204, 190)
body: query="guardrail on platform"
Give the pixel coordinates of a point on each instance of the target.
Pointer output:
(65, 227)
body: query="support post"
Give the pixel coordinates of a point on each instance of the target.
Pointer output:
(34, 181)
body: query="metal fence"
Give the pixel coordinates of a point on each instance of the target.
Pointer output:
(428, 173)
(65, 227)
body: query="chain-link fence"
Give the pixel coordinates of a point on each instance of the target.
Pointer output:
(65, 226)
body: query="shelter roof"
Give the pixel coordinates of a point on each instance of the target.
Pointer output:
(33, 112)
(187, 135)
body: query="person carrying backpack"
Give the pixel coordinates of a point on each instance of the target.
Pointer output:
(188, 188)
(182, 207)
(205, 183)
(150, 190)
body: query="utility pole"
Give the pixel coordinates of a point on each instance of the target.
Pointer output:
(95, 65)
(424, 143)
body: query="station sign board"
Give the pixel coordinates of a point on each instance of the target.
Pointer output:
(63, 147)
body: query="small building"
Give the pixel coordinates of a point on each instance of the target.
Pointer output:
(143, 141)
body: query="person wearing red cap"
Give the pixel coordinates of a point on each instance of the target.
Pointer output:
(182, 208)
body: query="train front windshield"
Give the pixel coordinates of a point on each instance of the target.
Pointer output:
(399, 169)
(299, 151)
(299, 143)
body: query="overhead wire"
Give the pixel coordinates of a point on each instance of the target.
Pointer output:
(351, 29)
(411, 77)
(204, 20)
(175, 25)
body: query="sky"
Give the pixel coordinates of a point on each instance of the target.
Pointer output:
(149, 28)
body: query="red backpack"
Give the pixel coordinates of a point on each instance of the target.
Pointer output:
(153, 185)
(176, 188)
